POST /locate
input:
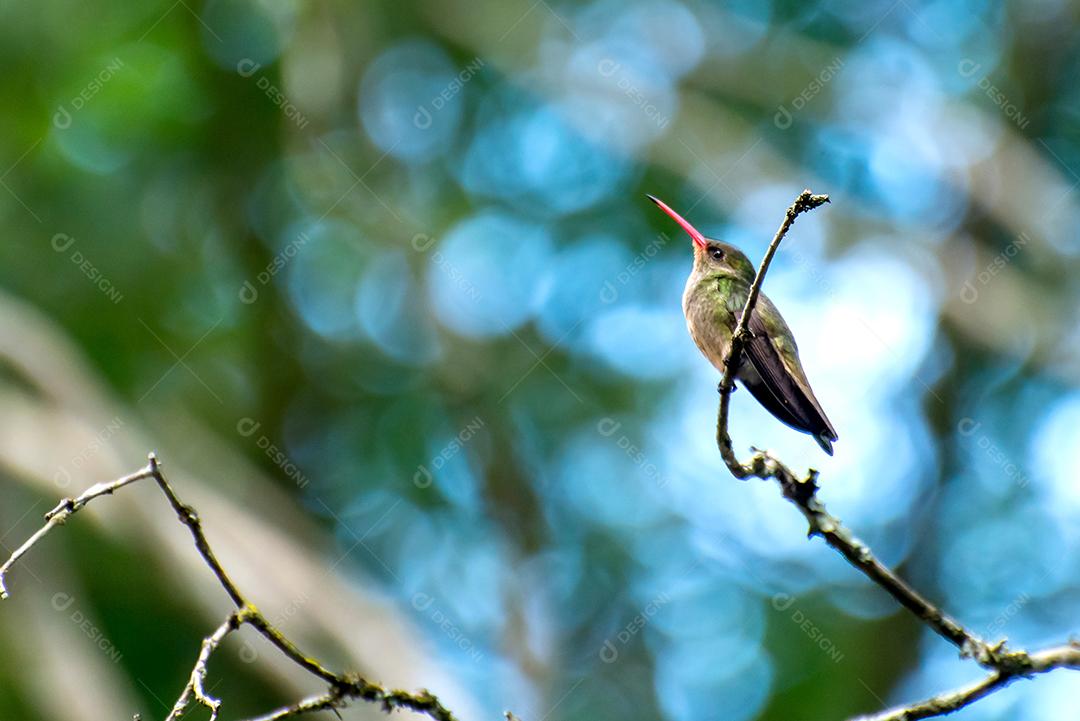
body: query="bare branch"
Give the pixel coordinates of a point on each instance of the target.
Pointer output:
(1006, 664)
(805, 202)
(62, 511)
(802, 492)
(356, 688)
(1067, 656)
(190, 518)
(323, 702)
(195, 686)
(342, 686)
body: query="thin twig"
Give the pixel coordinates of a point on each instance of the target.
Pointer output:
(805, 202)
(1006, 665)
(61, 512)
(195, 685)
(802, 492)
(190, 518)
(423, 702)
(322, 702)
(342, 686)
(1067, 656)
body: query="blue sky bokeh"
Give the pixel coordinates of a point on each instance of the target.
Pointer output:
(412, 239)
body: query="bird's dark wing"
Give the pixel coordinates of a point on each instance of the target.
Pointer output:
(783, 388)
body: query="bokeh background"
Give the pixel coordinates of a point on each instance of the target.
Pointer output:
(379, 283)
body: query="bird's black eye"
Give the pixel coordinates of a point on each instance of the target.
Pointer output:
(717, 253)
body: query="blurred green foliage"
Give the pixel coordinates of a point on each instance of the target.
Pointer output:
(395, 254)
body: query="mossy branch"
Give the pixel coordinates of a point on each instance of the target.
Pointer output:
(341, 687)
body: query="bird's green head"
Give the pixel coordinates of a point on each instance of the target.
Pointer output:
(712, 257)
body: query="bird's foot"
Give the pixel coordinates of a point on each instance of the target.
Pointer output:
(720, 387)
(746, 335)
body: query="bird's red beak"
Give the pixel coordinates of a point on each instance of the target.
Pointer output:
(699, 239)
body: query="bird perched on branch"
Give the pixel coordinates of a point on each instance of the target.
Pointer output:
(713, 301)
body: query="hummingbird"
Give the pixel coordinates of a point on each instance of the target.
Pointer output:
(713, 302)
